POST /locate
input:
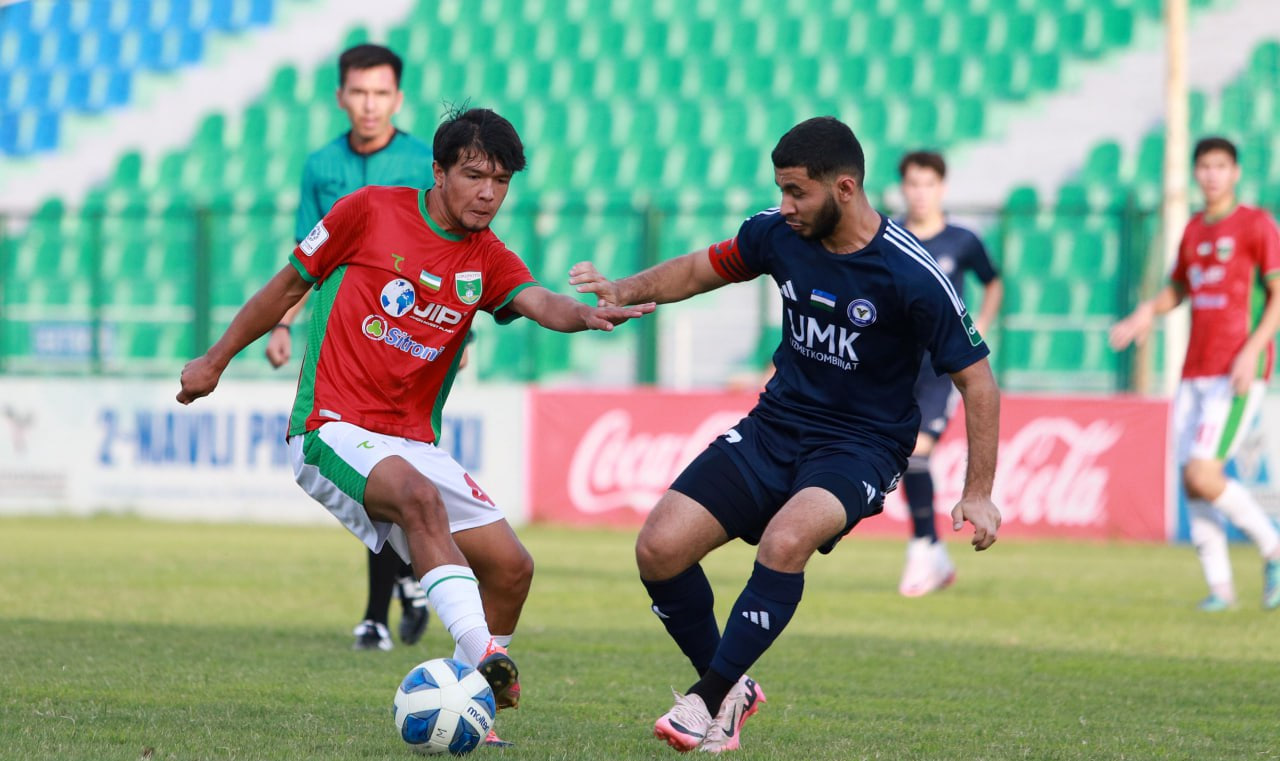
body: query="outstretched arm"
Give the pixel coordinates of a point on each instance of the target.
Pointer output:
(259, 314)
(673, 280)
(982, 425)
(568, 315)
(1137, 326)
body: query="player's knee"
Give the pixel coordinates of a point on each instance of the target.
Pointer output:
(1202, 480)
(785, 549)
(653, 557)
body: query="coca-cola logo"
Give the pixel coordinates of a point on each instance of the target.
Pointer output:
(1049, 472)
(615, 467)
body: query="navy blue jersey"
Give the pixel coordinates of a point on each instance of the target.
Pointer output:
(958, 250)
(854, 329)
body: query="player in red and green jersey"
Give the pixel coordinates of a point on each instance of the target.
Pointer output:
(372, 152)
(1225, 252)
(400, 274)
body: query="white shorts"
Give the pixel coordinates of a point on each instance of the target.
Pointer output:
(333, 462)
(1211, 420)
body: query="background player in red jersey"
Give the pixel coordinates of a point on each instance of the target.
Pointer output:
(1225, 250)
(400, 274)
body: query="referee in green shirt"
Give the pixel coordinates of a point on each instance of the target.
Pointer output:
(372, 152)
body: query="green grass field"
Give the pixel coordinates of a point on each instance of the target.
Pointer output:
(129, 639)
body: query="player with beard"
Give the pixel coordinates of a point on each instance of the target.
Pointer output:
(862, 302)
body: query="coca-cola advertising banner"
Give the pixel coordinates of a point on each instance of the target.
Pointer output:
(1069, 467)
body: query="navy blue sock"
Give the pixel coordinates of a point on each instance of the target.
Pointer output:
(761, 613)
(918, 484)
(686, 606)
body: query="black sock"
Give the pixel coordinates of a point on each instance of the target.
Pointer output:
(686, 606)
(712, 688)
(762, 611)
(918, 484)
(383, 569)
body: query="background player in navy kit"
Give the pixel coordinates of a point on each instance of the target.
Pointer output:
(957, 251)
(862, 301)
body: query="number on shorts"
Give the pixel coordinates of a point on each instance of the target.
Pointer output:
(476, 491)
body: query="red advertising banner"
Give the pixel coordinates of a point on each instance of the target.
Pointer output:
(1069, 467)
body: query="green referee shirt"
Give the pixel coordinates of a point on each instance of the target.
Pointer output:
(335, 170)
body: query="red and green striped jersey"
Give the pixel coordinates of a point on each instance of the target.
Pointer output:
(396, 298)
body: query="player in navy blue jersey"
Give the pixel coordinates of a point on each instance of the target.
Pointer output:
(862, 302)
(957, 251)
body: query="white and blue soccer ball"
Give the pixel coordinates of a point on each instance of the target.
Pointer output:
(444, 706)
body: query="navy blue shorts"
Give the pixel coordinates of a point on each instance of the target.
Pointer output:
(935, 395)
(747, 475)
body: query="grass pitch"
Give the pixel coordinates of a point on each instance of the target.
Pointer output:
(129, 639)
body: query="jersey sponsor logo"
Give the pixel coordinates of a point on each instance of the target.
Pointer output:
(375, 328)
(1198, 276)
(823, 300)
(1225, 247)
(822, 341)
(396, 260)
(788, 291)
(398, 297)
(971, 330)
(431, 281)
(1209, 301)
(947, 264)
(1204, 248)
(732, 436)
(437, 316)
(468, 287)
(315, 239)
(861, 312)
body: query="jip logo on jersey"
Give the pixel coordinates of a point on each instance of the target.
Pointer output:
(468, 286)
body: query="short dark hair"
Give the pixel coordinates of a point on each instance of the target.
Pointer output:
(367, 56)
(481, 131)
(824, 146)
(1215, 143)
(925, 160)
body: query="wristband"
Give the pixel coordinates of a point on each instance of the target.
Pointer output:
(284, 325)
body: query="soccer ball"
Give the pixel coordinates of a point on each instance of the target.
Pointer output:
(444, 706)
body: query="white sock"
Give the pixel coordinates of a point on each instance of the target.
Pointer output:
(1242, 509)
(501, 640)
(455, 594)
(1210, 540)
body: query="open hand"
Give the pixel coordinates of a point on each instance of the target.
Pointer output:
(588, 279)
(605, 317)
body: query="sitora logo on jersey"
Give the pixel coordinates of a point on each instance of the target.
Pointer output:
(376, 328)
(822, 341)
(398, 297)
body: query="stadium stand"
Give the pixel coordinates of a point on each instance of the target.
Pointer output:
(648, 128)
